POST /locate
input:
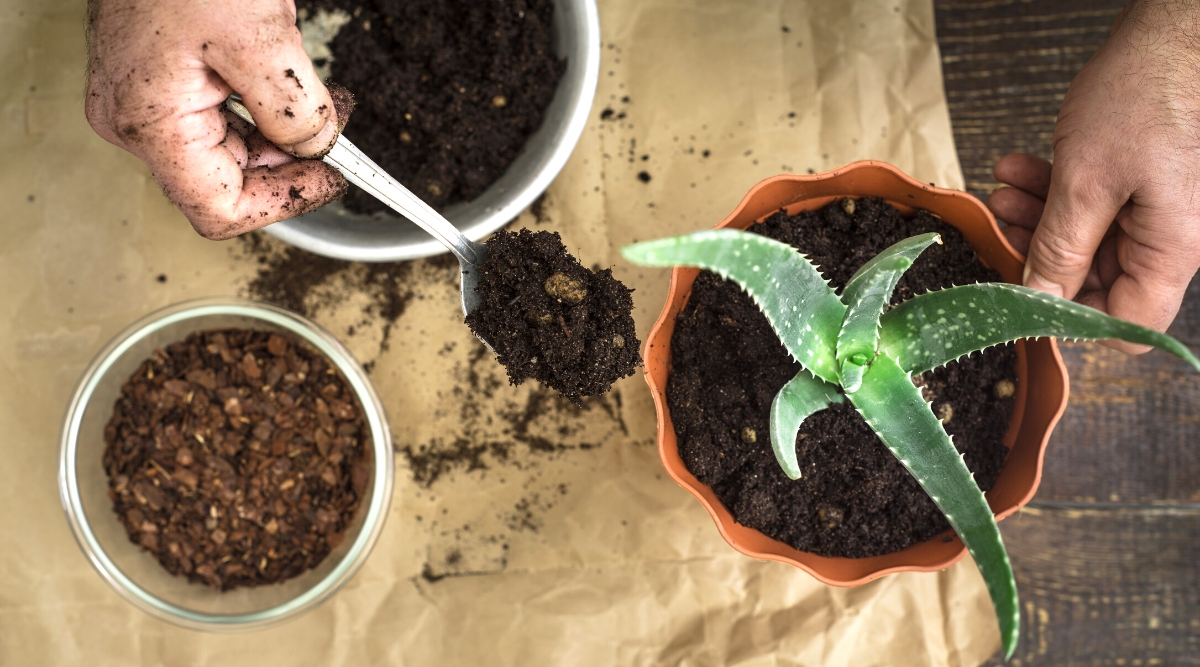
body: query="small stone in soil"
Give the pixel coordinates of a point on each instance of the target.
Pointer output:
(945, 413)
(550, 319)
(563, 288)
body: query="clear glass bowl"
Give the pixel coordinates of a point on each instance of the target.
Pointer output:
(134, 573)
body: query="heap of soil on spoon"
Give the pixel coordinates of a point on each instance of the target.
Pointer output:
(448, 91)
(854, 498)
(551, 319)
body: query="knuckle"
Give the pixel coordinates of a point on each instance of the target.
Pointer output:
(1056, 251)
(1084, 185)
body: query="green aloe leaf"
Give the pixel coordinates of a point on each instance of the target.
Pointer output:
(800, 397)
(931, 329)
(897, 412)
(801, 307)
(866, 295)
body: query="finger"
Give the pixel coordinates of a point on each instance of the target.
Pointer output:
(1098, 299)
(1151, 285)
(1080, 207)
(278, 85)
(189, 157)
(1016, 207)
(235, 144)
(1091, 282)
(1026, 172)
(1018, 238)
(262, 153)
(1108, 267)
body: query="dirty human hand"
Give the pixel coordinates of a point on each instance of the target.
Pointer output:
(1115, 224)
(158, 73)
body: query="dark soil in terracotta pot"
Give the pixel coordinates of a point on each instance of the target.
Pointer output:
(854, 499)
(448, 91)
(551, 319)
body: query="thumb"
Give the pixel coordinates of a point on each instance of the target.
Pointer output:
(1080, 207)
(278, 85)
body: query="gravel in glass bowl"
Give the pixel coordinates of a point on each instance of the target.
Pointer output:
(134, 573)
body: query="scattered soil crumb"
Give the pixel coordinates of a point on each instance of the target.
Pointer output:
(512, 434)
(307, 284)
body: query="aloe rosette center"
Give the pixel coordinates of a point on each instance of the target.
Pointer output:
(852, 347)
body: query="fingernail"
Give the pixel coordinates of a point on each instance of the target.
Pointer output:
(1035, 281)
(319, 145)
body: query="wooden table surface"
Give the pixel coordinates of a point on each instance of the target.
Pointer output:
(1107, 556)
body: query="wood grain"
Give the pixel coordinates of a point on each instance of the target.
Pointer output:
(1104, 586)
(1105, 555)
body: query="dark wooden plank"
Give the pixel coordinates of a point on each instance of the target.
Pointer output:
(1094, 589)
(1007, 65)
(1126, 435)
(1130, 432)
(1105, 555)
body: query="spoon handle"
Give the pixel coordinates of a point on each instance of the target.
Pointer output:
(363, 172)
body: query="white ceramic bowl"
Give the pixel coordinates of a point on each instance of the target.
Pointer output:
(384, 237)
(134, 573)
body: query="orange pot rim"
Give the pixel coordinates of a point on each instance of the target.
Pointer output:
(806, 192)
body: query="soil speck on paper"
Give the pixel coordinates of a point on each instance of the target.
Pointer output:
(309, 284)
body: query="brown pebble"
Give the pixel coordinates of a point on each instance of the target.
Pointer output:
(564, 288)
(250, 367)
(434, 189)
(749, 435)
(277, 345)
(945, 413)
(1004, 388)
(499, 101)
(832, 516)
(405, 137)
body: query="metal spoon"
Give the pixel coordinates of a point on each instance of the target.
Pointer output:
(363, 172)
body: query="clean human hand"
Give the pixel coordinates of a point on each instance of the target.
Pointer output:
(158, 73)
(1115, 222)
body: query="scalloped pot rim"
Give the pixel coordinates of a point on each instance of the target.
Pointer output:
(1042, 388)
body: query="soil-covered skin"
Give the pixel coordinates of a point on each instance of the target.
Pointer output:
(551, 319)
(448, 91)
(854, 498)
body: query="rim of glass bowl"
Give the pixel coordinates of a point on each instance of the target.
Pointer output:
(317, 337)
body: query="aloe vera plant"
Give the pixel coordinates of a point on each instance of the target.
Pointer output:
(852, 347)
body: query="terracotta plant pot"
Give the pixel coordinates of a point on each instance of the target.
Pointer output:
(1041, 393)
